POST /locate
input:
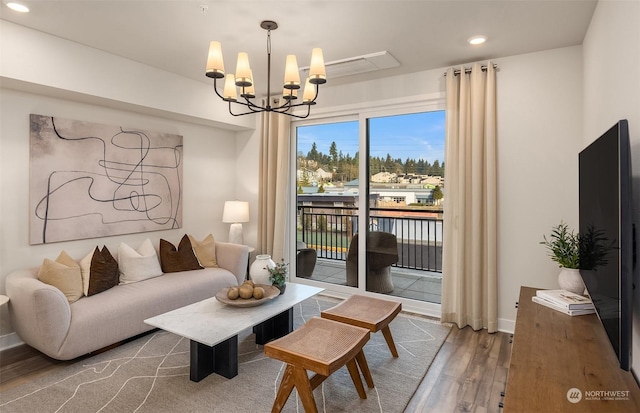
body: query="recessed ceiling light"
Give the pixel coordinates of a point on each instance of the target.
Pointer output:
(19, 7)
(476, 40)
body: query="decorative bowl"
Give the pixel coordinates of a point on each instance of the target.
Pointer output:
(270, 292)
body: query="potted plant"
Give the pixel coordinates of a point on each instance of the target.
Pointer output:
(278, 275)
(575, 252)
(564, 248)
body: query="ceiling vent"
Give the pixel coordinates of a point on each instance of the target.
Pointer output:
(358, 64)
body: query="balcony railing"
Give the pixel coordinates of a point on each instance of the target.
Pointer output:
(329, 231)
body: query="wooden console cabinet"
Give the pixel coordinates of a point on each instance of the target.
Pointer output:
(553, 353)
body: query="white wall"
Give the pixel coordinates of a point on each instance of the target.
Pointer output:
(85, 84)
(539, 135)
(611, 52)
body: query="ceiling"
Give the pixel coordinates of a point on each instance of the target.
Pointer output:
(420, 34)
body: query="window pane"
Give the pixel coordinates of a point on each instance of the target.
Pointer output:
(327, 199)
(406, 165)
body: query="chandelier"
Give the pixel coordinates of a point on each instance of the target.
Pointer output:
(242, 81)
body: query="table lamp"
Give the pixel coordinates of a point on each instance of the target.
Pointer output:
(235, 213)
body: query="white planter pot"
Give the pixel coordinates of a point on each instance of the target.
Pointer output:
(258, 270)
(569, 279)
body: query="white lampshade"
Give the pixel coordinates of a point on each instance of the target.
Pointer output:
(309, 92)
(215, 63)
(243, 70)
(291, 73)
(230, 92)
(317, 72)
(235, 213)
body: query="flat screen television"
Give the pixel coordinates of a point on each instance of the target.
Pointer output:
(605, 209)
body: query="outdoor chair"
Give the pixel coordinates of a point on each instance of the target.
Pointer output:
(382, 252)
(305, 260)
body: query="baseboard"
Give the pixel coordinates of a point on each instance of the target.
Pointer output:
(10, 340)
(506, 326)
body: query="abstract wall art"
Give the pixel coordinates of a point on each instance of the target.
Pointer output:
(90, 180)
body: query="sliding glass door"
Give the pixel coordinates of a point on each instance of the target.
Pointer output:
(327, 199)
(375, 225)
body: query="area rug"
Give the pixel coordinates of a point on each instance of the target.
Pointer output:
(151, 374)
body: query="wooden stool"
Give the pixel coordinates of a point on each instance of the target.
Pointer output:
(371, 313)
(322, 346)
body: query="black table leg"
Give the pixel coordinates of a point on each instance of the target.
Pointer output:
(201, 361)
(226, 358)
(275, 327)
(221, 359)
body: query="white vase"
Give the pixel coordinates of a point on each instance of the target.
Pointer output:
(570, 279)
(258, 270)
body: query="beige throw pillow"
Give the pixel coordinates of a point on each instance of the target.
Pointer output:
(205, 251)
(64, 274)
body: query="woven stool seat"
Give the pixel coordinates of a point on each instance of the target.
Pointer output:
(371, 313)
(321, 346)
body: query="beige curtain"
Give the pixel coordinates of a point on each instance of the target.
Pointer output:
(469, 279)
(273, 184)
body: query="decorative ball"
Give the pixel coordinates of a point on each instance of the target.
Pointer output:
(233, 293)
(246, 291)
(258, 293)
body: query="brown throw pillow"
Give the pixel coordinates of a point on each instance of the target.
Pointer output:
(104, 271)
(181, 259)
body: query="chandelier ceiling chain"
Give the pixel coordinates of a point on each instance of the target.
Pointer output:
(242, 80)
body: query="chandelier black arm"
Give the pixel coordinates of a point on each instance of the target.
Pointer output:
(297, 116)
(282, 109)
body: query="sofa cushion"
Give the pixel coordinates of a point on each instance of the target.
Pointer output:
(205, 251)
(180, 259)
(138, 265)
(64, 274)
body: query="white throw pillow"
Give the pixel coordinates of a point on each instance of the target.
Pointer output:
(85, 269)
(138, 265)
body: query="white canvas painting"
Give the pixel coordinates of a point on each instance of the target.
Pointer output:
(91, 180)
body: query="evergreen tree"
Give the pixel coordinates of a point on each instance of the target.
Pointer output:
(333, 152)
(313, 153)
(437, 194)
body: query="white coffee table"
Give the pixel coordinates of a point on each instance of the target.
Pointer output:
(213, 328)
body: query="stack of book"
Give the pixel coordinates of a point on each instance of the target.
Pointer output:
(565, 302)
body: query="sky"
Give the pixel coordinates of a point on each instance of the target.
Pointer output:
(419, 135)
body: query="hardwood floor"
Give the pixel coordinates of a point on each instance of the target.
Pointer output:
(467, 375)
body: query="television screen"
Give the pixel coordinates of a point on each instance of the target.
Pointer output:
(606, 233)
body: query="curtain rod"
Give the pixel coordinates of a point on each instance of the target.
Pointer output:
(468, 70)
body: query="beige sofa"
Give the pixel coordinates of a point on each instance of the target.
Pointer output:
(42, 316)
